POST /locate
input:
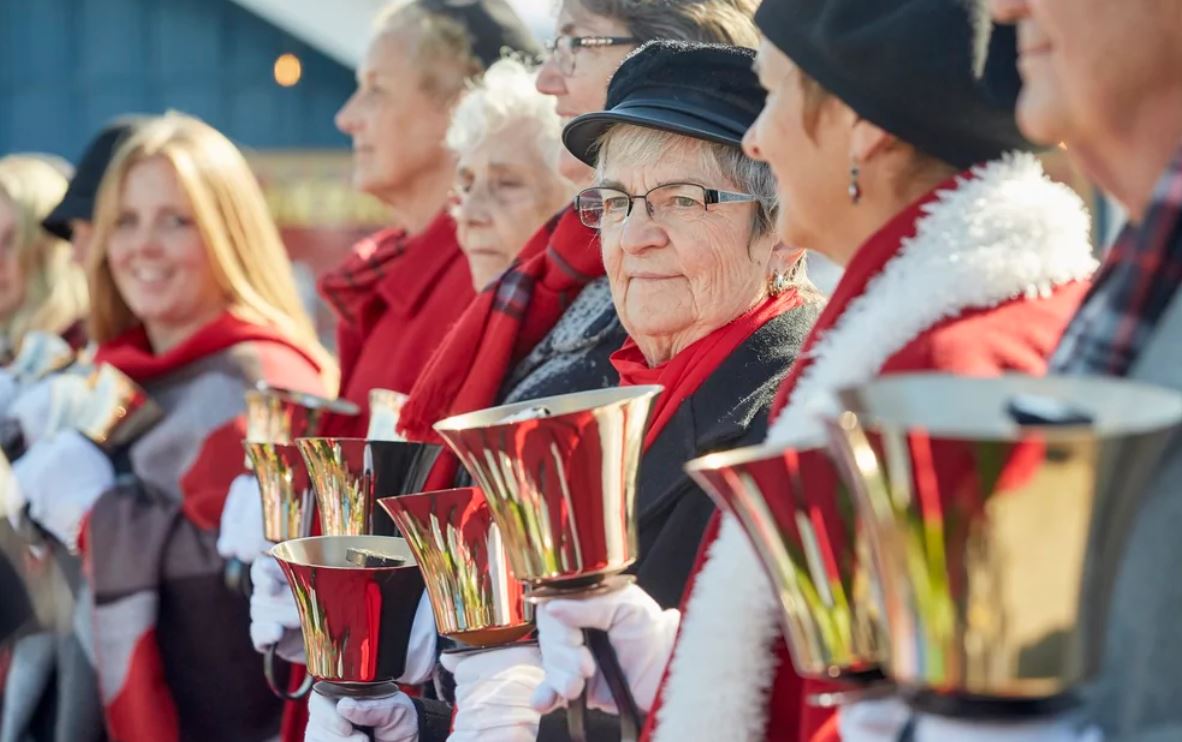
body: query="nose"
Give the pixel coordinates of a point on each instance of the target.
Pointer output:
(751, 141)
(1009, 11)
(346, 118)
(640, 232)
(472, 208)
(550, 80)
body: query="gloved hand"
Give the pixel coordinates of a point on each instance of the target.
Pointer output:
(930, 728)
(493, 692)
(274, 619)
(641, 633)
(61, 482)
(32, 408)
(10, 389)
(241, 534)
(879, 720)
(420, 652)
(393, 719)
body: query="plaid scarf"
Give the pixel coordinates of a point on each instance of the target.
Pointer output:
(363, 269)
(500, 327)
(1132, 289)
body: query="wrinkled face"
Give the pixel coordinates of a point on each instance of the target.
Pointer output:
(505, 191)
(397, 128)
(584, 90)
(12, 276)
(677, 280)
(811, 172)
(157, 258)
(1085, 64)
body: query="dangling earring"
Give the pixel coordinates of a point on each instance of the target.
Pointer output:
(855, 188)
(778, 282)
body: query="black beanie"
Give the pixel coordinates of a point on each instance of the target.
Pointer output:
(912, 67)
(492, 25)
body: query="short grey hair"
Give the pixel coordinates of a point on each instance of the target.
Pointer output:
(505, 97)
(642, 144)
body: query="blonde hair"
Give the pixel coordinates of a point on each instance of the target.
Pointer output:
(442, 49)
(247, 258)
(55, 285)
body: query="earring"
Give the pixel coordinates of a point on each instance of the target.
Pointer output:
(777, 283)
(855, 189)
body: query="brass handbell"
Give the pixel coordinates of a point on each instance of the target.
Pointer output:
(117, 410)
(278, 415)
(357, 597)
(802, 523)
(41, 353)
(385, 410)
(350, 474)
(474, 594)
(559, 474)
(997, 510)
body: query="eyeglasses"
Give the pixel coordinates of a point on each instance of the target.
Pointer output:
(605, 208)
(563, 48)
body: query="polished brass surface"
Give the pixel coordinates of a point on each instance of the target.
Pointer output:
(802, 523)
(474, 594)
(277, 415)
(117, 410)
(350, 474)
(559, 475)
(385, 409)
(41, 353)
(284, 488)
(355, 620)
(995, 545)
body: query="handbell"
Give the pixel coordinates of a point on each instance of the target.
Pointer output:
(385, 410)
(801, 521)
(559, 474)
(116, 411)
(356, 597)
(41, 353)
(284, 488)
(350, 474)
(278, 415)
(474, 594)
(997, 510)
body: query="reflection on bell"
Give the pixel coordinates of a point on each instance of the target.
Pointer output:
(357, 597)
(801, 522)
(285, 490)
(117, 410)
(277, 415)
(41, 353)
(385, 410)
(996, 544)
(476, 599)
(350, 474)
(560, 477)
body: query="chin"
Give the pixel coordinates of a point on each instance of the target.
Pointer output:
(1042, 115)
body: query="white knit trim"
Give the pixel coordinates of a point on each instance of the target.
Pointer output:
(973, 248)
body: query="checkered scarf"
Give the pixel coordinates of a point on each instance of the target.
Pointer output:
(1132, 289)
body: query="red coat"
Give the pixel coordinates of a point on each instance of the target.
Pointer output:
(1017, 334)
(397, 297)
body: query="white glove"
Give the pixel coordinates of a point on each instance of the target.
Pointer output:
(10, 389)
(420, 651)
(930, 728)
(62, 481)
(493, 691)
(274, 620)
(393, 719)
(32, 409)
(241, 534)
(880, 720)
(641, 633)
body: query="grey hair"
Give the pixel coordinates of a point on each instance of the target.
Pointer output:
(506, 97)
(641, 144)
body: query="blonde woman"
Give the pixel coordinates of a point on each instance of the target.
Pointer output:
(193, 298)
(41, 286)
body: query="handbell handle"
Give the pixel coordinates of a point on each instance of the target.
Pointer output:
(269, 660)
(604, 653)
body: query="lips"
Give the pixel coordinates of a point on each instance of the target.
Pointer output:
(150, 275)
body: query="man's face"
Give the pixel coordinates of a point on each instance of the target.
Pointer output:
(1087, 64)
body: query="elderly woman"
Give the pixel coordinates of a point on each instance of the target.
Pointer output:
(959, 258)
(194, 300)
(506, 138)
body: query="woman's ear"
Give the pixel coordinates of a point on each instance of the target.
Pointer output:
(784, 259)
(867, 141)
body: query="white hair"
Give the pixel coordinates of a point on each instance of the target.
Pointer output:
(504, 98)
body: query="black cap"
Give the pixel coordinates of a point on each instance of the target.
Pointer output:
(78, 203)
(704, 91)
(912, 67)
(493, 27)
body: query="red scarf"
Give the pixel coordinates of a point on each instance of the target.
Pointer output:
(132, 351)
(499, 328)
(683, 374)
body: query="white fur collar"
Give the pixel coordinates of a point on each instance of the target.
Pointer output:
(1005, 233)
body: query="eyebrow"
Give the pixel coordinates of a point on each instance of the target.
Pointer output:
(620, 186)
